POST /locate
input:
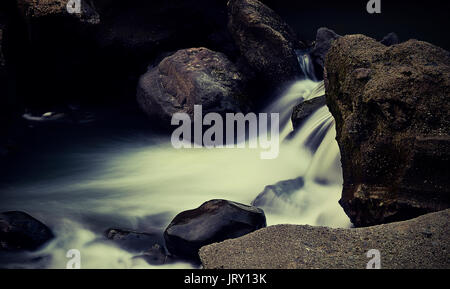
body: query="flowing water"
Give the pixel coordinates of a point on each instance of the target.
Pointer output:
(139, 181)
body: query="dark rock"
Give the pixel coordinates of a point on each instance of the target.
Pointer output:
(213, 221)
(21, 232)
(191, 76)
(134, 241)
(156, 255)
(279, 192)
(265, 40)
(391, 109)
(324, 38)
(303, 110)
(402, 245)
(390, 39)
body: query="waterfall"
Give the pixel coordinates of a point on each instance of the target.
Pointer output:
(312, 197)
(133, 179)
(306, 65)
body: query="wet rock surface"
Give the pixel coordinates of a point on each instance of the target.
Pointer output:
(391, 109)
(214, 221)
(134, 241)
(21, 232)
(418, 243)
(303, 110)
(279, 192)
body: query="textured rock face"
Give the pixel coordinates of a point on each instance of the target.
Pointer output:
(391, 106)
(191, 76)
(214, 221)
(19, 231)
(419, 243)
(265, 40)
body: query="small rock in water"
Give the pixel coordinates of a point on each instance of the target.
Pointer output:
(214, 221)
(278, 193)
(134, 241)
(21, 232)
(156, 255)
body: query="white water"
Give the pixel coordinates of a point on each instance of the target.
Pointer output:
(137, 185)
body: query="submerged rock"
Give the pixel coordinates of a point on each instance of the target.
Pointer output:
(265, 40)
(134, 241)
(303, 110)
(213, 221)
(420, 243)
(149, 246)
(391, 108)
(21, 232)
(156, 255)
(279, 192)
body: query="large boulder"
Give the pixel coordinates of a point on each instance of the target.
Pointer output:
(188, 77)
(20, 231)
(419, 243)
(324, 38)
(213, 221)
(265, 40)
(391, 108)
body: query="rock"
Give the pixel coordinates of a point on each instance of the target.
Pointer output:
(213, 221)
(265, 40)
(391, 109)
(402, 245)
(390, 39)
(35, 9)
(155, 256)
(324, 38)
(279, 192)
(21, 232)
(134, 241)
(303, 110)
(191, 76)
